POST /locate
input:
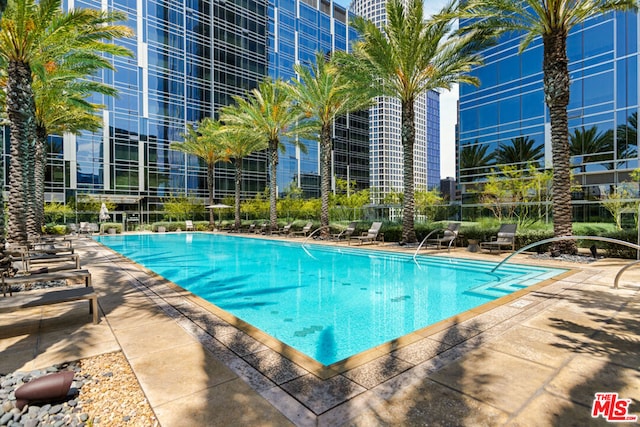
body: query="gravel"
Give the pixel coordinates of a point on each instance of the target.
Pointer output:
(104, 392)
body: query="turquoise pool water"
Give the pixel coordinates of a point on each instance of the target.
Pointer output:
(330, 303)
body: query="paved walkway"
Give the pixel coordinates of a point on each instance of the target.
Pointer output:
(536, 360)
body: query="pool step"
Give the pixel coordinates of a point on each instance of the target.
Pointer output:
(495, 290)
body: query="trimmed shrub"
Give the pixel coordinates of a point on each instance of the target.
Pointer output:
(107, 225)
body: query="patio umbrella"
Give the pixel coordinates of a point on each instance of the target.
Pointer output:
(218, 206)
(104, 213)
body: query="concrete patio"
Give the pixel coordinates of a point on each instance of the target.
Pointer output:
(536, 359)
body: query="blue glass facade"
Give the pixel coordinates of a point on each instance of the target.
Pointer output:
(509, 104)
(190, 58)
(297, 30)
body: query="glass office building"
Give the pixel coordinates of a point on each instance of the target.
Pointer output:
(297, 30)
(508, 109)
(384, 135)
(190, 58)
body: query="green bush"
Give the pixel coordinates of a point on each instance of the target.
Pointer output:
(107, 225)
(58, 229)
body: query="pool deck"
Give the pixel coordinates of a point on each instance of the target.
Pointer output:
(534, 360)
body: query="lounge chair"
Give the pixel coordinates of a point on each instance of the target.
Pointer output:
(284, 230)
(443, 237)
(249, 229)
(42, 297)
(8, 282)
(304, 232)
(506, 238)
(188, 225)
(264, 227)
(346, 233)
(370, 236)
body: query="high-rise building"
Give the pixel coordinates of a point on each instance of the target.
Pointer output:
(508, 109)
(297, 30)
(386, 163)
(190, 58)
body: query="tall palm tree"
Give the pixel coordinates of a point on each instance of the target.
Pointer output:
(206, 143)
(522, 152)
(238, 145)
(324, 93)
(270, 113)
(32, 36)
(62, 106)
(552, 21)
(406, 58)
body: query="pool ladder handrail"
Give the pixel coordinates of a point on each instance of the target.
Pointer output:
(308, 237)
(561, 238)
(425, 239)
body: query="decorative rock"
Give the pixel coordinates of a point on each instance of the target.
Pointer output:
(55, 409)
(5, 418)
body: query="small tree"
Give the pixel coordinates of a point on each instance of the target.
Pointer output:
(92, 205)
(429, 203)
(617, 201)
(55, 211)
(182, 207)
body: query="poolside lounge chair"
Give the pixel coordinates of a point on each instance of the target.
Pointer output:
(250, 228)
(506, 238)
(346, 233)
(304, 232)
(284, 230)
(443, 237)
(188, 225)
(370, 236)
(264, 227)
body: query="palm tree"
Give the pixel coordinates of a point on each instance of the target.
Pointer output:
(406, 58)
(34, 35)
(522, 152)
(591, 145)
(206, 143)
(475, 159)
(627, 136)
(270, 114)
(552, 21)
(62, 106)
(324, 94)
(238, 145)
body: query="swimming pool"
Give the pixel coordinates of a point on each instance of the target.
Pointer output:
(327, 302)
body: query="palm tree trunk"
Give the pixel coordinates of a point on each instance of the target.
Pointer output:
(210, 188)
(273, 184)
(408, 142)
(556, 89)
(21, 113)
(238, 165)
(325, 170)
(39, 173)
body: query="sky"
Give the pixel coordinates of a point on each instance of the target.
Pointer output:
(448, 106)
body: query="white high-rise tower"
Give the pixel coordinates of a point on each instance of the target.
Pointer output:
(386, 165)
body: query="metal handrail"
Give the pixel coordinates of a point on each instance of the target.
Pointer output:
(424, 240)
(314, 232)
(558, 239)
